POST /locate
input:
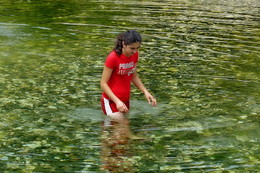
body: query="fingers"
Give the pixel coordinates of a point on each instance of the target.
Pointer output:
(151, 100)
(122, 107)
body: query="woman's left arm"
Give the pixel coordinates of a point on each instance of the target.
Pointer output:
(138, 83)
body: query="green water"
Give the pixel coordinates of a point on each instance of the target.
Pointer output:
(199, 58)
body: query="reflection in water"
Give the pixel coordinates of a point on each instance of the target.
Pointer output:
(115, 154)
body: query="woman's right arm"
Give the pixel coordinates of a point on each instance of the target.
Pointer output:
(104, 86)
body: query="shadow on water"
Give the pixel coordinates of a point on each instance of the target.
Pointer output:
(199, 58)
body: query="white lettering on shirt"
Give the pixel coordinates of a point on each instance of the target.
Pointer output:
(126, 68)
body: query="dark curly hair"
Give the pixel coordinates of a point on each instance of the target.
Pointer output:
(126, 38)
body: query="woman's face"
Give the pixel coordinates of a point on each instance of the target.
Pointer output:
(131, 49)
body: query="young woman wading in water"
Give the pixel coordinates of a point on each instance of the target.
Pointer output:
(119, 71)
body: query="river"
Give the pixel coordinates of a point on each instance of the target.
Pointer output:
(199, 58)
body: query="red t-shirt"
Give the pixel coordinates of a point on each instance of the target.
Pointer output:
(121, 77)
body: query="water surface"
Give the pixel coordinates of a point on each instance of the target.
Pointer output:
(199, 58)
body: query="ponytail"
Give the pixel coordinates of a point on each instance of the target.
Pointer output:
(128, 37)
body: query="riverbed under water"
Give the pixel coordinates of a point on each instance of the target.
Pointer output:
(200, 59)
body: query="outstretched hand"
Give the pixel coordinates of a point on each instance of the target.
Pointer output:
(151, 100)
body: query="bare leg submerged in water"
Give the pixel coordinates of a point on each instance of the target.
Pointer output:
(115, 153)
(122, 127)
